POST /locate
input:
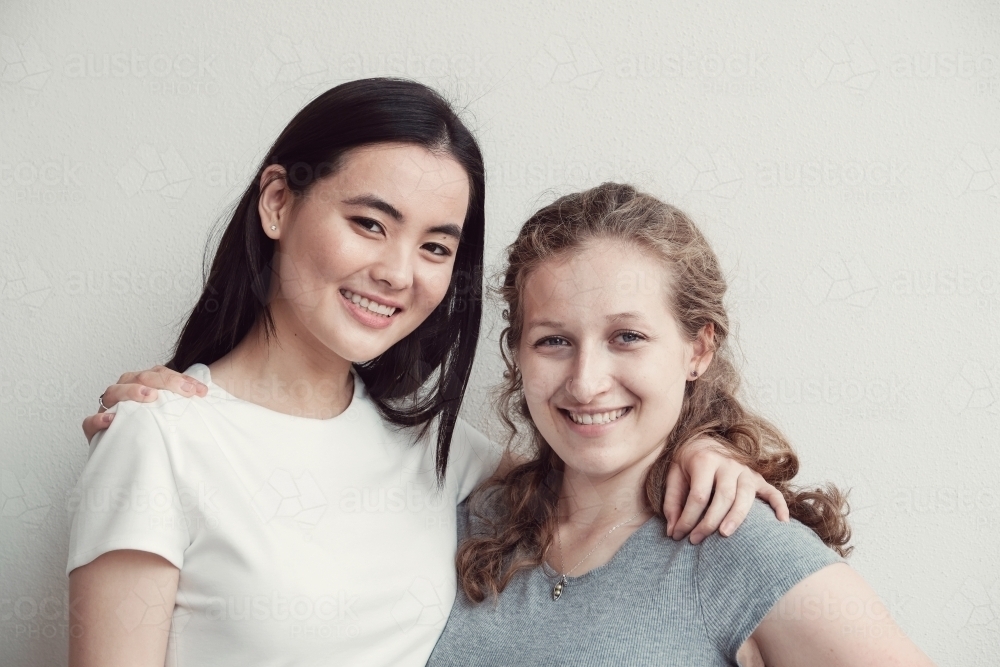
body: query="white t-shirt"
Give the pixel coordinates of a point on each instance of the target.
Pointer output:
(299, 541)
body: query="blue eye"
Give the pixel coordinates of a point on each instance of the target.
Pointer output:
(630, 337)
(552, 341)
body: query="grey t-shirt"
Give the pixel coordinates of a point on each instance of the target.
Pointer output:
(656, 602)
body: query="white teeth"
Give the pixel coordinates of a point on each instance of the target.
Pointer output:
(377, 308)
(597, 418)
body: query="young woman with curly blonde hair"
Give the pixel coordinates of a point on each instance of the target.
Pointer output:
(617, 353)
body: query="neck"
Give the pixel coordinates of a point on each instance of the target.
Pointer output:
(595, 517)
(289, 372)
(592, 501)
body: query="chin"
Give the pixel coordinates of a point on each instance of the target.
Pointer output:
(595, 463)
(357, 356)
(353, 350)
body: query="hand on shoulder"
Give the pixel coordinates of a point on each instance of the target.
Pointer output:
(141, 387)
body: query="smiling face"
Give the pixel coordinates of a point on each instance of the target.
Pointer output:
(367, 254)
(603, 360)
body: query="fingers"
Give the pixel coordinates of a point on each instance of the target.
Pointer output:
(161, 377)
(773, 497)
(131, 377)
(746, 491)
(674, 495)
(95, 423)
(117, 393)
(736, 487)
(723, 496)
(141, 387)
(113, 395)
(697, 500)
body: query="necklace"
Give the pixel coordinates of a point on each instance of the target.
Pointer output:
(558, 588)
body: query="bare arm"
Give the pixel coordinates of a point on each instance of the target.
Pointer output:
(833, 618)
(121, 605)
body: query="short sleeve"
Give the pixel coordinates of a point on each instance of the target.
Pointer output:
(127, 495)
(741, 577)
(471, 459)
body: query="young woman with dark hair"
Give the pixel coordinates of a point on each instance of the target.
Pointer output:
(617, 353)
(301, 509)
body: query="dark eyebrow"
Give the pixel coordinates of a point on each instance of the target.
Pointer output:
(379, 204)
(371, 201)
(449, 229)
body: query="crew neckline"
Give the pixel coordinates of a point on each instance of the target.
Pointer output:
(204, 374)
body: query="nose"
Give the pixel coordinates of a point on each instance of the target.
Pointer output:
(591, 374)
(394, 268)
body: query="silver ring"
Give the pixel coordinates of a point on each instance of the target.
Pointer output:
(101, 401)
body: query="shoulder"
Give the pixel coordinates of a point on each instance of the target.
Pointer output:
(763, 541)
(199, 371)
(468, 439)
(142, 425)
(167, 403)
(167, 409)
(739, 578)
(472, 457)
(481, 513)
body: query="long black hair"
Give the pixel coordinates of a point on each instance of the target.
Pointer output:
(422, 376)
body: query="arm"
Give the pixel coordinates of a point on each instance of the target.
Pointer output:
(141, 387)
(121, 605)
(749, 654)
(832, 618)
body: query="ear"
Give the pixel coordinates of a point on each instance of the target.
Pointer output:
(702, 351)
(276, 199)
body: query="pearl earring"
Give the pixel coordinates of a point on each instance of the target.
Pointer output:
(273, 227)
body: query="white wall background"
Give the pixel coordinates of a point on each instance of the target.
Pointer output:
(844, 160)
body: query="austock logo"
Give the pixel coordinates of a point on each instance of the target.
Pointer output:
(564, 62)
(835, 62)
(150, 170)
(23, 498)
(703, 171)
(838, 280)
(23, 64)
(22, 281)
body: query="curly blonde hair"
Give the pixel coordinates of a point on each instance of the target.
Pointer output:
(519, 508)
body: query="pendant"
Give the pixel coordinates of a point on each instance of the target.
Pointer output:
(558, 588)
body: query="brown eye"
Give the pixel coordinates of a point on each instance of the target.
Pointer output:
(368, 225)
(438, 249)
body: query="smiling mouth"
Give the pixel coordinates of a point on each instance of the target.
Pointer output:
(596, 418)
(373, 307)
